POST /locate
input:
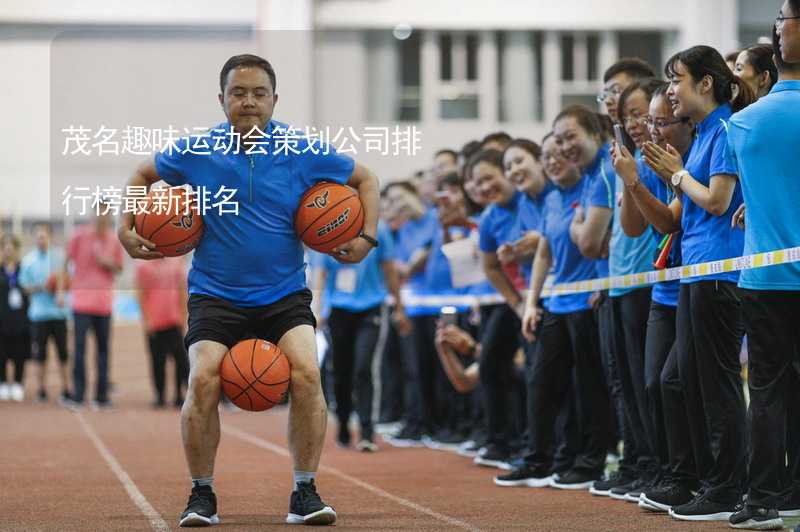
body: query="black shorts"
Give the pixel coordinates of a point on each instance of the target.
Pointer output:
(43, 331)
(215, 319)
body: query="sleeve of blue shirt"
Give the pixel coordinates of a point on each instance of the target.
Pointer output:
(730, 147)
(173, 163)
(385, 244)
(601, 191)
(324, 165)
(722, 161)
(487, 241)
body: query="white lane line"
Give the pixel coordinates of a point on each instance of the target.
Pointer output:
(156, 522)
(277, 449)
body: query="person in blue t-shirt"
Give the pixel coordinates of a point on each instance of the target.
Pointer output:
(771, 299)
(500, 339)
(247, 277)
(566, 344)
(355, 294)
(649, 201)
(47, 311)
(709, 321)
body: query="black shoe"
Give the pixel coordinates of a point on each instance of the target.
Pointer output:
(495, 456)
(616, 479)
(573, 480)
(664, 497)
(756, 518)
(525, 475)
(201, 510)
(632, 492)
(701, 508)
(306, 508)
(790, 507)
(407, 437)
(343, 436)
(158, 404)
(41, 397)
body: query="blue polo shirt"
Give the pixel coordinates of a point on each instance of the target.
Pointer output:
(530, 219)
(598, 191)
(627, 255)
(253, 258)
(35, 269)
(707, 237)
(568, 263)
(763, 141)
(665, 293)
(500, 224)
(359, 287)
(412, 236)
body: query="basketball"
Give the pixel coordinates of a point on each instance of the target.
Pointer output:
(169, 219)
(329, 215)
(255, 375)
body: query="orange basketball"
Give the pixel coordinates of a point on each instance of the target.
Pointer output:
(328, 215)
(169, 218)
(255, 375)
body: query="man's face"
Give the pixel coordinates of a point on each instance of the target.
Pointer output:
(789, 34)
(42, 238)
(248, 100)
(444, 164)
(611, 91)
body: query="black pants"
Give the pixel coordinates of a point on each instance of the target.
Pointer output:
(772, 321)
(101, 326)
(354, 336)
(392, 377)
(16, 348)
(660, 344)
(568, 348)
(709, 335)
(42, 332)
(499, 343)
(617, 430)
(163, 344)
(630, 313)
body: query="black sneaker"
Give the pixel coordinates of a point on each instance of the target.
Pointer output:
(495, 456)
(790, 507)
(201, 510)
(619, 492)
(525, 475)
(756, 518)
(573, 480)
(306, 508)
(343, 437)
(407, 437)
(635, 490)
(662, 498)
(701, 508)
(41, 397)
(603, 487)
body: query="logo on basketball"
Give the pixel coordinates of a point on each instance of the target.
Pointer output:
(184, 222)
(320, 202)
(341, 219)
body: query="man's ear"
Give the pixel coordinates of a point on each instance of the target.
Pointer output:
(275, 100)
(221, 100)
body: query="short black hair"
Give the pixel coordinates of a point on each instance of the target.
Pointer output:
(528, 145)
(404, 184)
(498, 136)
(470, 148)
(491, 156)
(632, 66)
(246, 60)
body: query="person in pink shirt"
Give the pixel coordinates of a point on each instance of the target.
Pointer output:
(162, 291)
(95, 256)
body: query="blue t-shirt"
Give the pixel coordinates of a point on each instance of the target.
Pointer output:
(500, 224)
(35, 269)
(665, 293)
(254, 258)
(627, 255)
(530, 219)
(707, 237)
(412, 236)
(359, 287)
(568, 263)
(598, 191)
(763, 141)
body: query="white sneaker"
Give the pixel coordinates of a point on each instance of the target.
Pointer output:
(4, 392)
(16, 392)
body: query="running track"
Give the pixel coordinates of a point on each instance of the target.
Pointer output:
(124, 470)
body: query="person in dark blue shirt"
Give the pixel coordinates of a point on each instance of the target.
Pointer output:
(709, 320)
(247, 276)
(566, 345)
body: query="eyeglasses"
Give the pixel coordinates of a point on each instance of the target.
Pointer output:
(607, 93)
(780, 18)
(641, 120)
(661, 124)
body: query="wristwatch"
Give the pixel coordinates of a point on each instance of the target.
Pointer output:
(372, 241)
(677, 177)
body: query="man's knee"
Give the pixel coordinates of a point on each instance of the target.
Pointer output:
(306, 378)
(205, 358)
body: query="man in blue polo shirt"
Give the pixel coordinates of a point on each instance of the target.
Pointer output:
(248, 277)
(763, 140)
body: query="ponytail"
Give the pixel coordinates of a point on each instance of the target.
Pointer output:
(744, 95)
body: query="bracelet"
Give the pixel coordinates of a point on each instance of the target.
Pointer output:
(633, 186)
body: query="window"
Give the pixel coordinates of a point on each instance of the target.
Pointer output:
(458, 75)
(646, 45)
(409, 108)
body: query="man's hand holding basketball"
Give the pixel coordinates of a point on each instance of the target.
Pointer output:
(136, 246)
(353, 251)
